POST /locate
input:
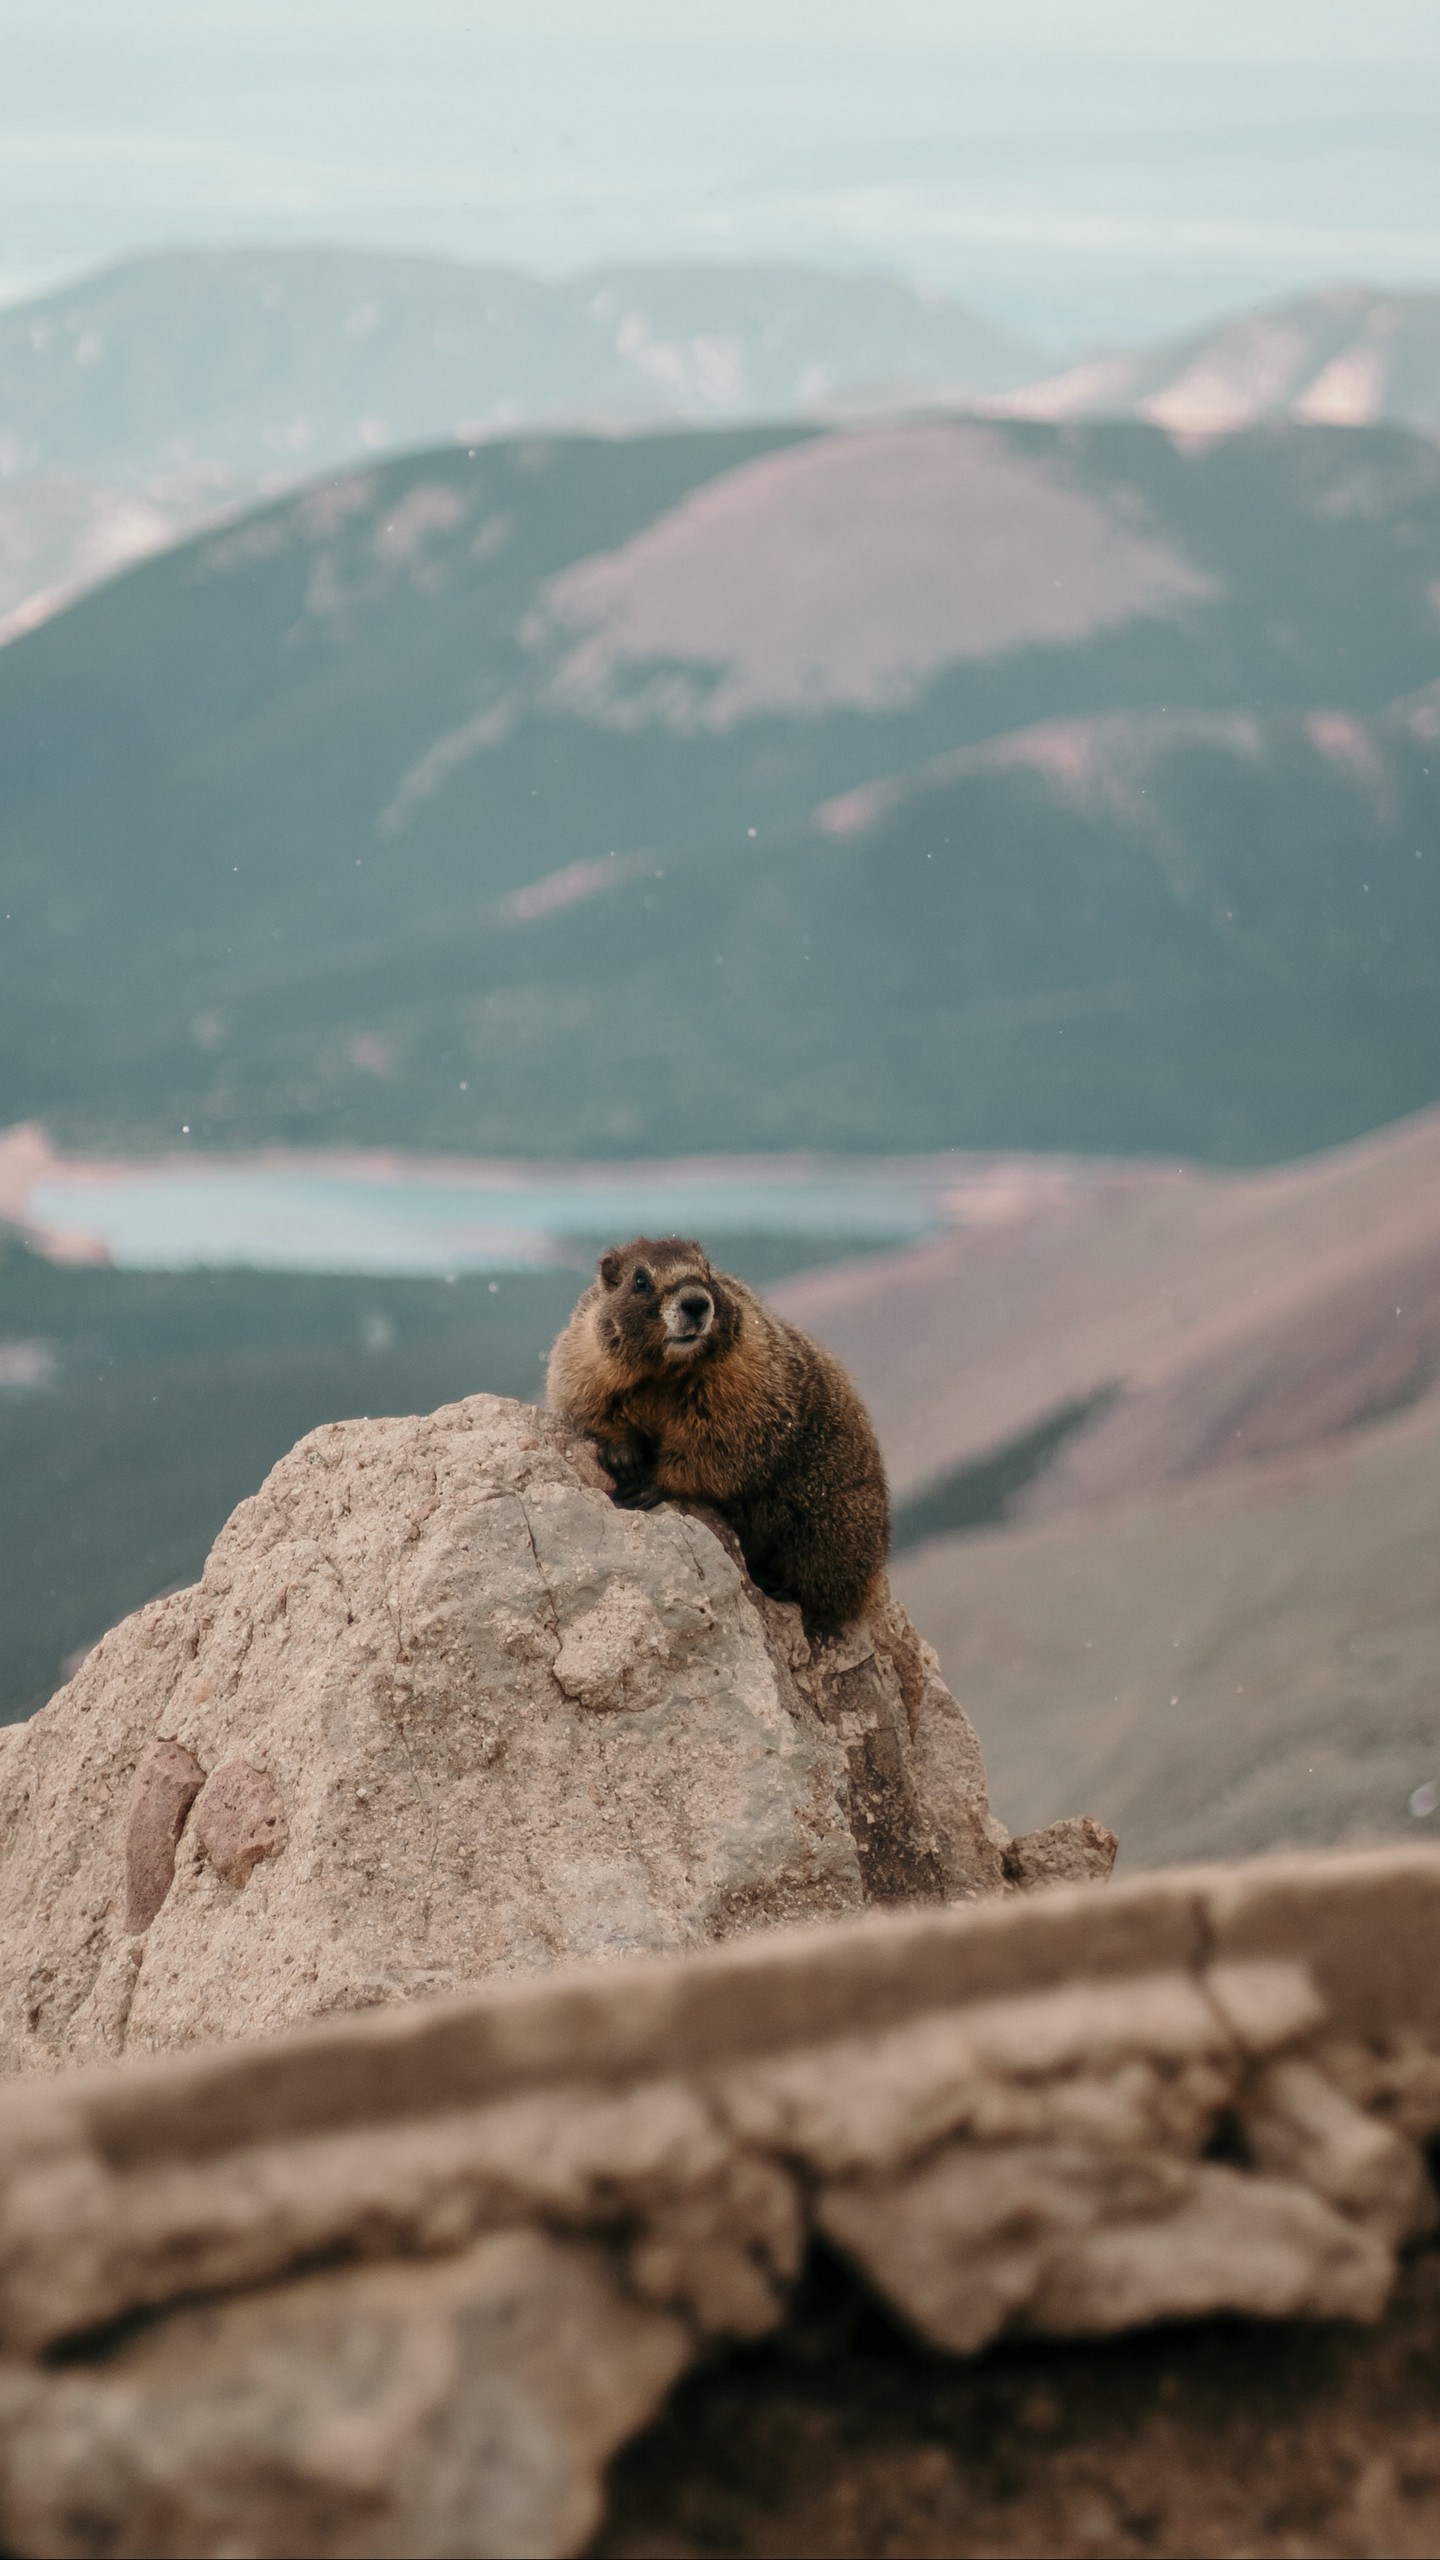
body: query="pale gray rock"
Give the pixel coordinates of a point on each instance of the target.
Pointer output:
(454, 1716)
(1297, 2123)
(387, 2413)
(1077, 1850)
(1055, 2237)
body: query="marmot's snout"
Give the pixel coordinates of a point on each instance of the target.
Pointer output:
(689, 1314)
(661, 1307)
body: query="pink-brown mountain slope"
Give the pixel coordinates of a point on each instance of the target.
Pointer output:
(846, 572)
(1224, 1317)
(1350, 357)
(1219, 1667)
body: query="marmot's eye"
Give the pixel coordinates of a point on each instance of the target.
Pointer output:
(641, 1283)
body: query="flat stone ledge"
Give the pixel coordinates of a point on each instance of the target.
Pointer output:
(1062, 2113)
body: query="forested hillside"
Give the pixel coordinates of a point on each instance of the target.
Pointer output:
(940, 784)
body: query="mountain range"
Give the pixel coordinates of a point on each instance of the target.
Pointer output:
(949, 784)
(169, 390)
(1350, 357)
(979, 781)
(157, 394)
(257, 360)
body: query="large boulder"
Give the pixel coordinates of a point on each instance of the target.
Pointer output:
(438, 1712)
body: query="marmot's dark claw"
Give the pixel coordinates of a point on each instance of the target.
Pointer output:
(640, 1497)
(628, 1473)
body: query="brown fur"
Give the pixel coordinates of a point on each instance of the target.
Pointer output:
(750, 1415)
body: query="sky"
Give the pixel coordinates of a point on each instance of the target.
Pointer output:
(1084, 172)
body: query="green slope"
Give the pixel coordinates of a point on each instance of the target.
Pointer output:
(266, 803)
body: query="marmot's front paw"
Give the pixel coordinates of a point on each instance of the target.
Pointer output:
(634, 1486)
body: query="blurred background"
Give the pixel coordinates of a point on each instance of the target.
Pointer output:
(823, 631)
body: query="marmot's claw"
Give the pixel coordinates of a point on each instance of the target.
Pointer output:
(639, 1497)
(628, 1474)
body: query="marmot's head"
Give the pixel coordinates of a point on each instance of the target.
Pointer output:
(660, 1306)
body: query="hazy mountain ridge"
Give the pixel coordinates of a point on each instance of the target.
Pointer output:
(267, 361)
(149, 398)
(1355, 356)
(955, 783)
(145, 400)
(61, 533)
(421, 804)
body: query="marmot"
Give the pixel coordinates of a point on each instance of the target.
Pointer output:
(692, 1388)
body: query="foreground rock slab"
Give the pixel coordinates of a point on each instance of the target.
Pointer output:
(468, 2408)
(1064, 2113)
(437, 1713)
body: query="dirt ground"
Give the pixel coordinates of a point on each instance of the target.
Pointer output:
(842, 2438)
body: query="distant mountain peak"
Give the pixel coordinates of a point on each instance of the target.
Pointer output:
(1352, 355)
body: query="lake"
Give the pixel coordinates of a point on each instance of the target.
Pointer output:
(389, 1215)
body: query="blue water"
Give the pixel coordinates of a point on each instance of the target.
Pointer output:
(298, 1218)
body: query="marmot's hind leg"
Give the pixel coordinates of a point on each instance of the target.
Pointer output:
(826, 1557)
(796, 1560)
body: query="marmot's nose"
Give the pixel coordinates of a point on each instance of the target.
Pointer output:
(696, 1306)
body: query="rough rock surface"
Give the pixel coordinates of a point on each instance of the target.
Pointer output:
(438, 1712)
(464, 2409)
(412, 2278)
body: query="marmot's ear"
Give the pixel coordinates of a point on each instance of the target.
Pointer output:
(609, 1269)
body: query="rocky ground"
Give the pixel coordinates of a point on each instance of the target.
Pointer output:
(842, 2437)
